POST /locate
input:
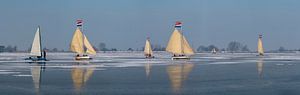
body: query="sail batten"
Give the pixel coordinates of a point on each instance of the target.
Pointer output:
(36, 44)
(148, 49)
(178, 44)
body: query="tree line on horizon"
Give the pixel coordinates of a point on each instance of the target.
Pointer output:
(232, 47)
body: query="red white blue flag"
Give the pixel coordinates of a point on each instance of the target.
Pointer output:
(79, 22)
(178, 24)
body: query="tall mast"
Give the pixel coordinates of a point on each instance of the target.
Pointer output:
(178, 25)
(79, 24)
(40, 40)
(260, 45)
(182, 47)
(260, 36)
(149, 44)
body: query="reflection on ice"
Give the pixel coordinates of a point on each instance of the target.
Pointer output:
(36, 73)
(178, 73)
(81, 75)
(148, 69)
(260, 66)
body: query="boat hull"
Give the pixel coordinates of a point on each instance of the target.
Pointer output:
(260, 54)
(181, 58)
(83, 58)
(37, 59)
(149, 57)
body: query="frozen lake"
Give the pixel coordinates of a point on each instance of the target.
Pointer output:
(128, 73)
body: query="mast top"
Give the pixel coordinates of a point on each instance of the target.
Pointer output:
(178, 25)
(79, 22)
(260, 36)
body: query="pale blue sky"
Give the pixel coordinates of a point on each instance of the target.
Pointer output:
(127, 23)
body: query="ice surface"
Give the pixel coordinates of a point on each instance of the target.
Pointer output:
(129, 73)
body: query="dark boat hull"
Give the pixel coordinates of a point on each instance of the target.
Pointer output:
(37, 59)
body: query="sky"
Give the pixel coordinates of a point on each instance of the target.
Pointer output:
(124, 24)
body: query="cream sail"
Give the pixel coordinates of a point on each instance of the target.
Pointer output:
(186, 47)
(36, 44)
(148, 49)
(89, 47)
(81, 45)
(178, 45)
(260, 48)
(77, 42)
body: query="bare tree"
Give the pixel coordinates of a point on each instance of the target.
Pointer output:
(234, 46)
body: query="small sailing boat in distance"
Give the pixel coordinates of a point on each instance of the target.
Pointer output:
(81, 45)
(36, 53)
(214, 51)
(148, 50)
(260, 48)
(178, 45)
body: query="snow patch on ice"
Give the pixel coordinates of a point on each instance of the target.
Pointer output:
(279, 64)
(22, 75)
(74, 66)
(224, 63)
(9, 72)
